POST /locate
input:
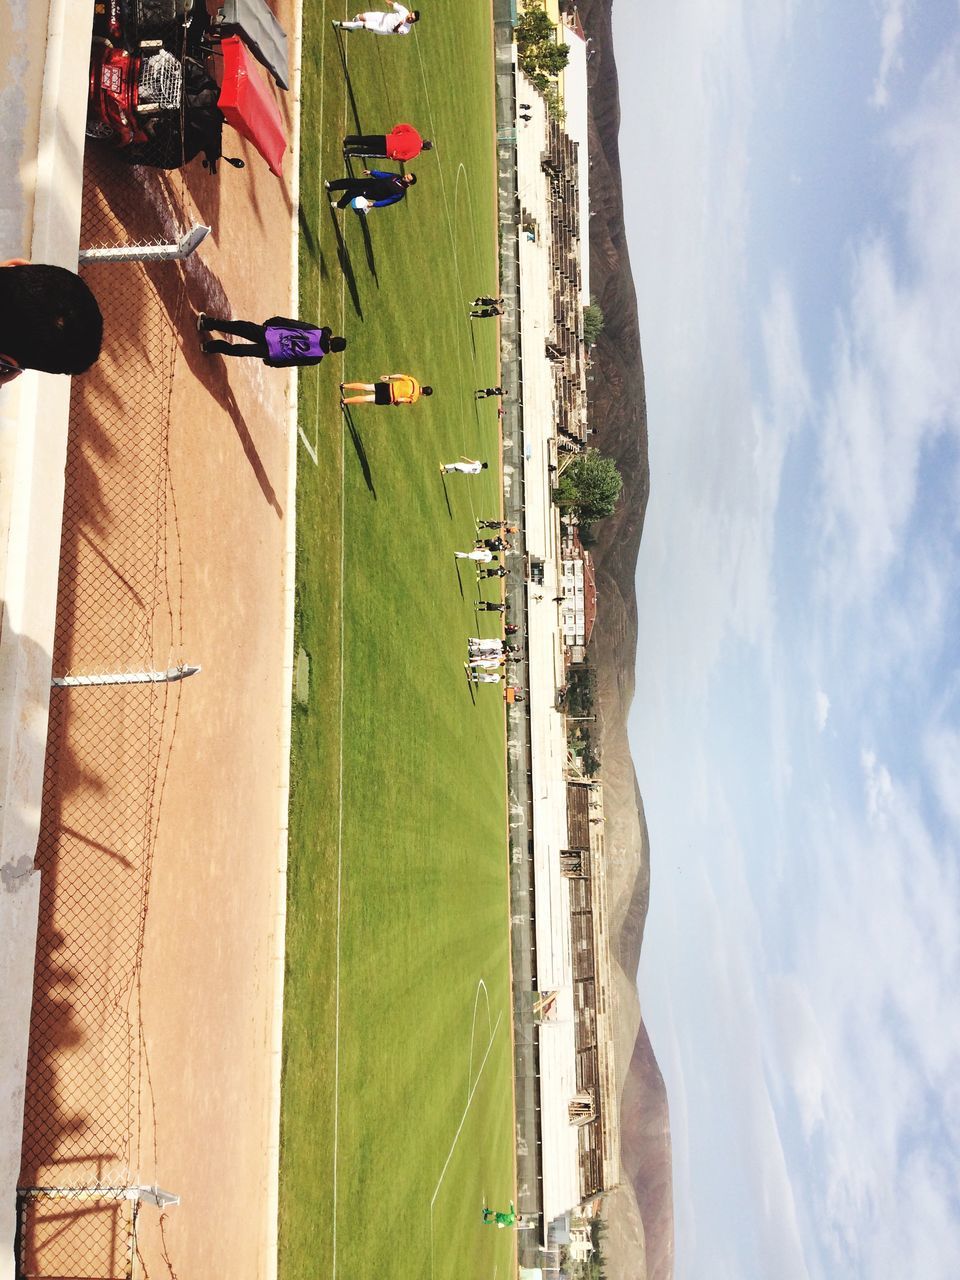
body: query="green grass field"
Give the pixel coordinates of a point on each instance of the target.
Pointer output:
(397, 1098)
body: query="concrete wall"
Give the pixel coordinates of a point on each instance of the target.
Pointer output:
(44, 55)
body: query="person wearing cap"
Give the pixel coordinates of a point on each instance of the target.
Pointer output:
(402, 143)
(398, 23)
(392, 389)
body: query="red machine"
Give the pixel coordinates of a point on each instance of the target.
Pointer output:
(155, 99)
(128, 91)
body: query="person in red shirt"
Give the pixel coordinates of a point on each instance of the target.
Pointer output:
(403, 142)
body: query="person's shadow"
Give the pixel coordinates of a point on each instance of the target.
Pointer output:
(368, 250)
(354, 109)
(357, 439)
(343, 257)
(446, 495)
(470, 689)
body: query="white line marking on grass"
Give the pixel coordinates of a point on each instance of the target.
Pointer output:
(313, 449)
(472, 1086)
(336, 1057)
(463, 1118)
(343, 518)
(481, 986)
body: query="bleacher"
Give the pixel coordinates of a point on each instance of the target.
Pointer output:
(560, 164)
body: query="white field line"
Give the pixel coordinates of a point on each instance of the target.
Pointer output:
(271, 1260)
(481, 986)
(336, 1071)
(313, 449)
(343, 505)
(463, 1118)
(471, 1094)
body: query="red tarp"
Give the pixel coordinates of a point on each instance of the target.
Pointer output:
(247, 103)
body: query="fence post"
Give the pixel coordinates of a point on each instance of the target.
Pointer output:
(150, 252)
(126, 677)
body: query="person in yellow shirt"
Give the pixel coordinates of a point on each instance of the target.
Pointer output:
(393, 388)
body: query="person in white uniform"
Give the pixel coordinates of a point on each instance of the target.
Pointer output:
(467, 467)
(398, 23)
(481, 554)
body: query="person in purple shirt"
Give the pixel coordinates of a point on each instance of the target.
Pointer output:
(279, 342)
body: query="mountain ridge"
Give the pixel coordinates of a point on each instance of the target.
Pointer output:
(639, 1214)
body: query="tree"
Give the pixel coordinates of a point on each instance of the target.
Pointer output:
(553, 102)
(589, 487)
(540, 56)
(592, 323)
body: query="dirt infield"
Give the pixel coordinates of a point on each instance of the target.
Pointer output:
(152, 1047)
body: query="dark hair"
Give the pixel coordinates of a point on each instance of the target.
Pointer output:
(414, 15)
(427, 144)
(426, 391)
(338, 344)
(49, 319)
(484, 465)
(411, 178)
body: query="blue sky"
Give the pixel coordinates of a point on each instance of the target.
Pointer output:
(792, 192)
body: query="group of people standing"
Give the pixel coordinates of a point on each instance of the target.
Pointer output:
(283, 342)
(488, 656)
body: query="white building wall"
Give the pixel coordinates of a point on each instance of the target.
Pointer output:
(44, 56)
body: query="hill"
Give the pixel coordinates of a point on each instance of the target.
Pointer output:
(639, 1214)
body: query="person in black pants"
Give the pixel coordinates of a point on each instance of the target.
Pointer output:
(279, 342)
(379, 187)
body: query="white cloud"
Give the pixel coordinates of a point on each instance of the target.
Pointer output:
(823, 710)
(941, 750)
(871, 1035)
(896, 381)
(892, 25)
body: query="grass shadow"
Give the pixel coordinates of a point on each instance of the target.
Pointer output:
(343, 257)
(456, 565)
(368, 250)
(307, 232)
(446, 495)
(470, 688)
(354, 109)
(362, 458)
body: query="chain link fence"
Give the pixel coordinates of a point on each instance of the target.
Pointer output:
(77, 1234)
(88, 1124)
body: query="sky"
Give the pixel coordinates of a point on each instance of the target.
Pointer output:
(792, 199)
